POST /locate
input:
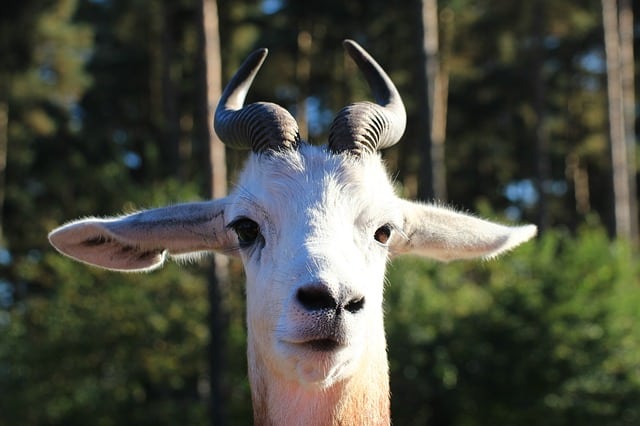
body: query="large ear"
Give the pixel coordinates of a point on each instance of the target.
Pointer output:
(444, 235)
(141, 241)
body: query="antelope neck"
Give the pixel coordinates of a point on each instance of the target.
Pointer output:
(361, 399)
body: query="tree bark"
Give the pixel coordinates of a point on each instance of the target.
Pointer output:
(303, 73)
(171, 122)
(218, 275)
(625, 19)
(577, 173)
(620, 162)
(432, 174)
(217, 156)
(541, 135)
(4, 145)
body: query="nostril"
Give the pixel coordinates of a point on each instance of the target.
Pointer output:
(315, 298)
(355, 305)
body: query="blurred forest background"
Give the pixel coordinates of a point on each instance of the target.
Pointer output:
(518, 110)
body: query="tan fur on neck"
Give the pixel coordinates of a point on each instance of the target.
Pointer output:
(362, 399)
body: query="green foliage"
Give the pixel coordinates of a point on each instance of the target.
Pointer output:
(116, 349)
(542, 336)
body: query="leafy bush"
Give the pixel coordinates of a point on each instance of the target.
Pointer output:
(544, 335)
(105, 349)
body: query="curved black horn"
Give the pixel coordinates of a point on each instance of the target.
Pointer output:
(259, 126)
(365, 126)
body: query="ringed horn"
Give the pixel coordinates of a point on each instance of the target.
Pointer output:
(359, 127)
(259, 126)
(364, 126)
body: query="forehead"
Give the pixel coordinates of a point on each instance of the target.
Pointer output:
(311, 177)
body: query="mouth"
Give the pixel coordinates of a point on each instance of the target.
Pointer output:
(319, 359)
(323, 338)
(323, 345)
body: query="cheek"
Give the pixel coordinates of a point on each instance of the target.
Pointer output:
(374, 267)
(259, 323)
(263, 304)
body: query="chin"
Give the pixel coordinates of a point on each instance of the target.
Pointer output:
(319, 364)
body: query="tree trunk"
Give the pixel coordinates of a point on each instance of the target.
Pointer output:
(4, 145)
(217, 157)
(303, 73)
(541, 136)
(621, 175)
(218, 275)
(432, 174)
(438, 134)
(625, 14)
(577, 173)
(170, 124)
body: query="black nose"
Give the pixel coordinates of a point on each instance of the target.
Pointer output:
(317, 297)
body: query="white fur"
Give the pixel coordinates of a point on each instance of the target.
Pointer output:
(318, 213)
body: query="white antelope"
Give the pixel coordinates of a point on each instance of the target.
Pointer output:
(314, 226)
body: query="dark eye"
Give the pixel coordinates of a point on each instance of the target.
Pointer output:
(382, 234)
(247, 230)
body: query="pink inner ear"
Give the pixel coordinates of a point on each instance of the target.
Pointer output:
(141, 241)
(443, 234)
(90, 242)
